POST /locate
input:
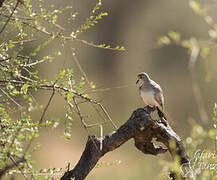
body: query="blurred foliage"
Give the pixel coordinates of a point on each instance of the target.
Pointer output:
(201, 145)
(22, 25)
(26, 29)
(206, 45)
(202, 150)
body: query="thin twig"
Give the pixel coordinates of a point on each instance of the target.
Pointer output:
(46, 107)
(16, 164)
(15, 135)
(20, 76)
(58, 88)
(11, 98)
(17, 17)
(82, 117)
(107, 115)
(41, 120)
(108, 89)
(34, 63)
(81, 69)
(71, 106)
(79, 113)
(32, 19)
(196, 89)
(82, 120)
(10, 166)
(25, 57)
(86, 78)
(98, 46)
(24, 41)
(3, 28)
(48, 87)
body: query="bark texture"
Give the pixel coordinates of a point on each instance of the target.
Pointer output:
(143, 129)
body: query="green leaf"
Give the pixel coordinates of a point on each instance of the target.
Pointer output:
(164, 41)
(174, 36)
(66, 136)
(24, 88)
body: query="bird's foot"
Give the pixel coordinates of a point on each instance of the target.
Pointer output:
(150, 108)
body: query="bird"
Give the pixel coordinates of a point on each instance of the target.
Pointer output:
(151, 94)
(150, 91)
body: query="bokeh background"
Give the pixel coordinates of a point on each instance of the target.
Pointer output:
(137, 25)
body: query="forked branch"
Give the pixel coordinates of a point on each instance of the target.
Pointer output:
(143, 129)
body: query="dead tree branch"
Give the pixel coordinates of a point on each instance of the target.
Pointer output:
(143, 129)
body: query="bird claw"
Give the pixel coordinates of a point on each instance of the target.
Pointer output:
(150, 108)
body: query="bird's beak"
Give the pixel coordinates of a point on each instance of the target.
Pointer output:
(137, 81)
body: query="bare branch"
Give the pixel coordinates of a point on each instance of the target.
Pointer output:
(79, 113)
(46, 107)
(143, 129)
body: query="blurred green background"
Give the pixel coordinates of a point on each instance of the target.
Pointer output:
(137, 25)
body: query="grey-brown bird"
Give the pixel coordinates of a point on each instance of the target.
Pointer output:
(150, 91)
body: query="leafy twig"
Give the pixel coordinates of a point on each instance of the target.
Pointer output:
(41, 119)
(10, 98)
(6, 23)
(61, 89)
(10, 166)
(102, 46)
(16, 164)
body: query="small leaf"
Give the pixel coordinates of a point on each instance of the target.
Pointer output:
(174, 36)
(164, 41)
(24, 88)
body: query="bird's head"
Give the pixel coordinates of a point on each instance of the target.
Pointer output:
(143, 77)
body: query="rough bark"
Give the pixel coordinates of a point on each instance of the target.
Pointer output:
(143, 129)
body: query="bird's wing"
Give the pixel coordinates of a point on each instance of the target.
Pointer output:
(158, 95)
(159, 99)
(156, 86)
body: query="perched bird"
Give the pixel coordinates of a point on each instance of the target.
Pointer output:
(150, 91)
(152, 96)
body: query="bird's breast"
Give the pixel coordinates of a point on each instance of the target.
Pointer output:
(148, 97)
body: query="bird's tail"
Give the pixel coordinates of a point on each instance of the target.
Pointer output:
(163, 115)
